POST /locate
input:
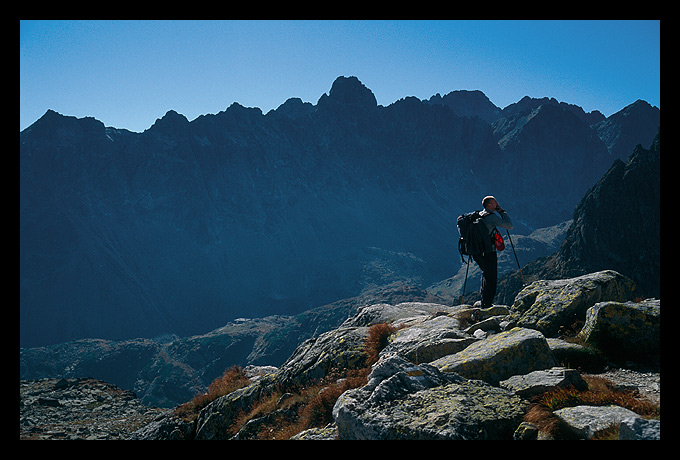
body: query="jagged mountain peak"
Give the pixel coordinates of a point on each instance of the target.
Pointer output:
(641, 104)
(53, 119)
(293, 108)
(600, 234)
(349, 91)
(171, 120)
(527, 104)
(238, 108)
(50, 114)
(466, 103)
(638, 109)
(547, 117)
(640, 117)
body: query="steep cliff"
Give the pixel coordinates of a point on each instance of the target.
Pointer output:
(616, 225)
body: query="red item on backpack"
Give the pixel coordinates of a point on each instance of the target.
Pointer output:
(498, 240)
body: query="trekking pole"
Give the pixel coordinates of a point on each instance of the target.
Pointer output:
(462, 299)
(516, 259)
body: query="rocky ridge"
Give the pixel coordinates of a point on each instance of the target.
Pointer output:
(461, 372)
(447, 372)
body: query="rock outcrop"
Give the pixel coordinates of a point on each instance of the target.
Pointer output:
(434, 380)
(418, 402)
(63, 409)
(537, 382)
(624, 330)
(547, 305)
(500, 356)
(169, 370)
(585, 421)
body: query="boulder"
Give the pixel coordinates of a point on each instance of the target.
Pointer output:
(167, 427)
(429, 340)
(492, 324)
(341, 348)
(624, 330)
(402, 313)
(215, 420)
(548, 305)
(476, 314)
(576, 356)
(418, 402)
(500, 356)
(526, 432)
(639, 429)
(252, 427)
(315, 358)
(537, 382)
(585, 421)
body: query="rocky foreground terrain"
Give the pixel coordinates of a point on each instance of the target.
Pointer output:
(79, 409)
(62, 409)
(443, 372)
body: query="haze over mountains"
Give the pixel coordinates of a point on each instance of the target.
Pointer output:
(189, 225)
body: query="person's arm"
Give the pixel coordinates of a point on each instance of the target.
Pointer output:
(501, 220)
(504, 220)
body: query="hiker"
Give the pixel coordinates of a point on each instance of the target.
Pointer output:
(488, 262)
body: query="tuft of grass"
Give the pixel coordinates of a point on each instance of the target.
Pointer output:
(547, 422)
(464, 317)
(313, 403)
(561, 398)
(232, 379)
(378, 338)
(600, 392)
(318, 411)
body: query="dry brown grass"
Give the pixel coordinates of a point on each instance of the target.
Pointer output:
(378, 336)
(600, 392)
(232, 379)
(547, 422)
(464, 317)
(312, 406)
(312, 403)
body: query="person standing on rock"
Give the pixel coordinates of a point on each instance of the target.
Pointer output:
(488, 262)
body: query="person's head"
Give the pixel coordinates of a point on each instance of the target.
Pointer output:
(489, 203)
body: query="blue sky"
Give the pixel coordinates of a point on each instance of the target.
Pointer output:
(127, 74)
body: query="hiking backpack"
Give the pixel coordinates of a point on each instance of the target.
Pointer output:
(474, 235)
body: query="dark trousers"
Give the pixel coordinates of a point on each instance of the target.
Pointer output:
(488, 263)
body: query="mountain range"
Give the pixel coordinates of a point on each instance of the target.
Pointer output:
(170, 370)
(190, 225)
